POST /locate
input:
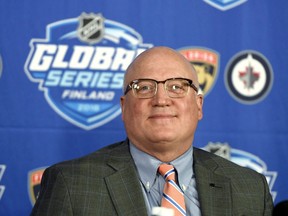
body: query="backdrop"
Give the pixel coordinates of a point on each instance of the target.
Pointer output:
(62, 65)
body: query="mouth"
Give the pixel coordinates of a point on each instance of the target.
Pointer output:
(162, 116)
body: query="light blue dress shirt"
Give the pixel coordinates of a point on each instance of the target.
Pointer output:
(153, 183)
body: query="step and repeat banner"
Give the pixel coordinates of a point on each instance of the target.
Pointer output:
(62, 65)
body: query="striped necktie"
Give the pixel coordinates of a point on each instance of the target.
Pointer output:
(172, 194)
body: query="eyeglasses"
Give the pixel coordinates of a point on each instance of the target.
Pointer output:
(147, 88)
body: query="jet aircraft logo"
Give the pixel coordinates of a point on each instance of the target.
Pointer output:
(249, 77)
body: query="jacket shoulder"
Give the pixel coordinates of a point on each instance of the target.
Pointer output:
(223, 166)
(95, 163)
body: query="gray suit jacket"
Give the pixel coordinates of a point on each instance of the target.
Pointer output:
(106, 183)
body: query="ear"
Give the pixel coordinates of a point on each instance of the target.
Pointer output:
(200, 101)
(122, 102)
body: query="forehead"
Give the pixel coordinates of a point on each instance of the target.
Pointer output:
(160, 66)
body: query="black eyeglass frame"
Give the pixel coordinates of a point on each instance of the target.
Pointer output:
(130, 85)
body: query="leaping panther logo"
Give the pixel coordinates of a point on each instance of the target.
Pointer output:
(206, 63)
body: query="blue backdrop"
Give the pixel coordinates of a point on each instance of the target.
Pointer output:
(62, 64)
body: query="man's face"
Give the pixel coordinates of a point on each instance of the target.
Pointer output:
(155, 123)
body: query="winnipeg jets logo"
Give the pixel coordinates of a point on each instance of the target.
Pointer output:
(249, 77)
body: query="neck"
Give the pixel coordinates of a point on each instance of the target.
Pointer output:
(164, 152)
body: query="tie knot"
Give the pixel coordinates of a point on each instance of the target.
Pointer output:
(167, 171)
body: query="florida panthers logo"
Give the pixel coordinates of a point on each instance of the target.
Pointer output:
(206, 63)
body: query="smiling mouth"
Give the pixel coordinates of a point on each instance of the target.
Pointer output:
(162, 116)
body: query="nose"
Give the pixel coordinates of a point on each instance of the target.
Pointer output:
(161, 98)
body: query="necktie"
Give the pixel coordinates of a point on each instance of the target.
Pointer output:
(172, 194)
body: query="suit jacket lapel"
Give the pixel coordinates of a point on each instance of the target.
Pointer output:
(124, 185)
(214, 190)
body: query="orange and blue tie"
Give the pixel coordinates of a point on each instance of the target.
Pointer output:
(173, 197)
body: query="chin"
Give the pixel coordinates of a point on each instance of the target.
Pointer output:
(162, 137)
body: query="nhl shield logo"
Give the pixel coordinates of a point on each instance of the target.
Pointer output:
(206, 63)
(91, 28)
(34, 181)
(221, 149)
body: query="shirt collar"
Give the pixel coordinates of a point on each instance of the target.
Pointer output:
(147, 166)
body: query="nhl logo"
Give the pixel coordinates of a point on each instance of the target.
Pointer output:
(221, 149)
(91, 28)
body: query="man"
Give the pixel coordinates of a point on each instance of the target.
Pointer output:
(160, 110)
